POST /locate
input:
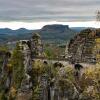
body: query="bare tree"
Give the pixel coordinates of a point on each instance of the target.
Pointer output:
(98, 15)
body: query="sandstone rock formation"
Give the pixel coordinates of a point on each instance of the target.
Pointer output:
(81, 47)
(30, 49)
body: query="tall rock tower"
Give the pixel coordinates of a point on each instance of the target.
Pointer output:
(36, 46)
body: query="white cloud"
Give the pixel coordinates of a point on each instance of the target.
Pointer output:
(38, 25)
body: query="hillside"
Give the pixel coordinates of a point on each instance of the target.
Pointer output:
(8, 35)
(56, 33)
(78, 29)
(49, 33)
(24, 76)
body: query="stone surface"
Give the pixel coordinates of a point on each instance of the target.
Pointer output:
(81, 47)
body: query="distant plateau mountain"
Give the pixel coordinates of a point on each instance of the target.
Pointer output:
(49, 33)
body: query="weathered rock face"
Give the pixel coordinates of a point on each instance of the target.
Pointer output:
(25, 90)
(81, 47)
(63, 88)
(30, 49)
(5, 73)
(36, 45)
(43, 93)
(49, 88)
(5, 70)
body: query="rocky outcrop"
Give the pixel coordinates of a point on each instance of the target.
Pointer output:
(30, 49)
(6, 73)
(36, 45)
(33, 46)
(81, 47)
(25, 90)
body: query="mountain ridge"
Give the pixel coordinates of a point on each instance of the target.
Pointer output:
(50, 33)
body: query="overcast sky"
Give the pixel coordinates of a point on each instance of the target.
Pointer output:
(48, 10)
(34, 14)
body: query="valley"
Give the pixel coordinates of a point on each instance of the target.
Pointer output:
(34, 69)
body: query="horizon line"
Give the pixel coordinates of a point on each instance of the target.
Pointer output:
(38, 25)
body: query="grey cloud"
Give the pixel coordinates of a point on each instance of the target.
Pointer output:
(48, 10)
